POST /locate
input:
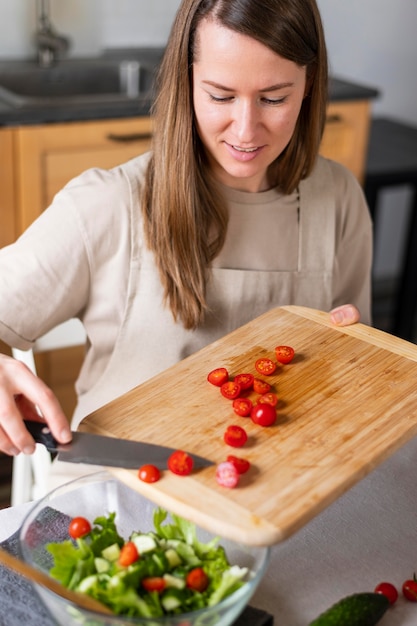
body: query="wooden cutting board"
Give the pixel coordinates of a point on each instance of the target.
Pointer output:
(347, 402)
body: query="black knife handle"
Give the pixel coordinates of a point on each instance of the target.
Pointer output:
(41, 434)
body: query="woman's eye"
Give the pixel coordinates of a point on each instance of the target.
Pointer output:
(220, 98)
(274, 101)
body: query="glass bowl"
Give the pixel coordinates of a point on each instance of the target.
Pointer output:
(96, 495)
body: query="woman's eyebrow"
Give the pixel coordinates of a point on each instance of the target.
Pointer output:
(275, 87)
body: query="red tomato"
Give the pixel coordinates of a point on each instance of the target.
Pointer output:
(180, 463)
(149, 473)
(268, 398)
(242, 465)
(410, 590)
(242, 406)
(128, 554)
(218, 376)
(197, 579)
(263, 414)
(235, 436)
(78, 527)
(265, 366)
(245, 381)
(284, 354)
(153, 583)
(230, 390)
(388, 590)
(261, 386)
(227, 474)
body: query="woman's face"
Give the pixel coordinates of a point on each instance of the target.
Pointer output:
(246, 102)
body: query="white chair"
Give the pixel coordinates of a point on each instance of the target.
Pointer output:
(30, 472)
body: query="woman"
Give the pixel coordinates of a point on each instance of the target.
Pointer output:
(231, 214)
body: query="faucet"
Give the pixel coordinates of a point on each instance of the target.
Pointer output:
(50, 45)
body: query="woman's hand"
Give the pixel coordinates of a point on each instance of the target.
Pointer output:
(20, 393)
(345, 315)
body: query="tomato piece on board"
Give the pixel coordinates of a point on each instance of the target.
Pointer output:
(197, 579)
(227, 474)
(263, 414)
(180, 463)
(388, 590)
(230, 390)
(128, 554)
(149, 473)
(235, 436)
(242, 406)
(261, 386)
(409, 590)
(245, 380)
(284, 354)
(154, 583)
(268, 398)
(242, 465)
(78, 527)
(218, 376)
(265, 366)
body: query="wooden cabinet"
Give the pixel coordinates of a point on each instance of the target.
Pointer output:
(7, 188)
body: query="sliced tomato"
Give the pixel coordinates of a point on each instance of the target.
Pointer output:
(245, 380)
(230, 390)
(197, 579)
(180, 463)
(78, 527)
(154, 583)
(284, 354)
(261, 386)
(263, 414)
(242, 406)
(149, 473)
(235, 436)
(265, 366)
(268, 398)
(218, 376)
(128, 554)
(242, 465)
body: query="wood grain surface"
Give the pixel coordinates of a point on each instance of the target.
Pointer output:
(347, 402)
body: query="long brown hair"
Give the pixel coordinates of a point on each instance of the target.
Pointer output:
(185, 215)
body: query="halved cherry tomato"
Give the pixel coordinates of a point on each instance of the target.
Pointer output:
(388, 590)
(242, 406)
(235, 436)
(149, 473)
(227, 474)
(197, 579)
(245, 381)
(180, 463)
(268, 398)
(218, 376)
(242, 465)
(409, 590)
(265, 366)
(230, 390)
(261, 386)
(78, 527)
(284, 354)
(154, 583)
(263, 414)
(128, 554)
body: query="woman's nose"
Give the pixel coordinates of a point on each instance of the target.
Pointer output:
(245, 120)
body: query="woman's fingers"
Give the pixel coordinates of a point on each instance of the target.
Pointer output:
(345, 315)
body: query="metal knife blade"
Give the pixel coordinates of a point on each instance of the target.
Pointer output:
(101, 450)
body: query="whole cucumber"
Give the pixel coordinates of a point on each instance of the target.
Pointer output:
(359, 609)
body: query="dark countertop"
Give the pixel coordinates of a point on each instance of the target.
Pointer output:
(12, 115)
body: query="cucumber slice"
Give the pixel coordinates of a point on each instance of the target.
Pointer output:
(111, 553)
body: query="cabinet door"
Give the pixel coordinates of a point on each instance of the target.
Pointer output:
(49, 156)
(7, 196)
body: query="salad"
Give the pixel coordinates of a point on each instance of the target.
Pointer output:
(163, 572)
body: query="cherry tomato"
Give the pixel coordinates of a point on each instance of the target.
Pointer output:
(388, 590)
(268, 398)
(242, 465)
(235, 436)
(242, 406)
(218, 376)
(263, 414)
(245, 381)
(265, 366)
(149, 473)
(261, 386)
(230, 390)
(154, 583)
(197, 579)
(128, 554)
(284, 354)
(78, 527)
(410, 590)
(180, 463)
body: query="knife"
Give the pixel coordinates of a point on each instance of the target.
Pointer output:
(102, 450)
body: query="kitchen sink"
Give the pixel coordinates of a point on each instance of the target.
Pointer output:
(75, 83)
